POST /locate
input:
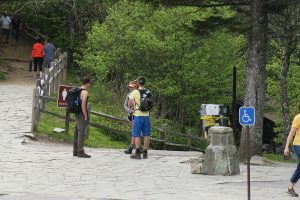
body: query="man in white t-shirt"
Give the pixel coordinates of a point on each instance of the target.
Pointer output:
(5, 24)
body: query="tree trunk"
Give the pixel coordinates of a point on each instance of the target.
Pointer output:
(255, 91)
(284, 93)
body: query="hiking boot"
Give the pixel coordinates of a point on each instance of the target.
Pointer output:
(75, 152)
(129, 150)
(82, 154)
(145, 154)
(292, 192)
(137, 154)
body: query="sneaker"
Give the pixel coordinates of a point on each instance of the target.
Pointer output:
(292, 192)
(145, 154)
(129, 150)
(75, 153)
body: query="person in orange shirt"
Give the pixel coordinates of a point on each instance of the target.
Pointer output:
(37, 55)
(294, 133)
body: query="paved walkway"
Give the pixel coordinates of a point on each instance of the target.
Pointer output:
(48, 171)
(42, 171)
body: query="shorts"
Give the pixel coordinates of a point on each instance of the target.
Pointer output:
(141, 126)
(207, 128)
(130, 118)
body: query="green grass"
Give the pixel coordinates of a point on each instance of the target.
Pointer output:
(2, 77)
(97, 138)
(278, 158)
(102, 100)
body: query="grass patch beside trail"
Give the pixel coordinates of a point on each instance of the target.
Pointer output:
(97, 138)
(2, 77)
(278, 158)
(102, 100)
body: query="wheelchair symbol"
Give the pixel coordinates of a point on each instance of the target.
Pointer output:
(245, 117)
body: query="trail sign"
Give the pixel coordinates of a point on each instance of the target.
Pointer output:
(63, 91)
(247, 119)
(247, 116)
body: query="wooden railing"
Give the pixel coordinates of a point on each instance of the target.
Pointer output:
(48, 84)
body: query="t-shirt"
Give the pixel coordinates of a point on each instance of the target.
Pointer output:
(49, 50)
(16, 24)
(128, 110)
(296, 124)
(5, 21)
(209, 120)
(136, 97)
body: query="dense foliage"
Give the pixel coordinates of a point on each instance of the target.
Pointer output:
(183, 69)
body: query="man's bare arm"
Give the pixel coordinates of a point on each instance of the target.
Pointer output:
(84, 95)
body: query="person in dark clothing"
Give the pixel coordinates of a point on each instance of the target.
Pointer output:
(16, 28)
(81, 121)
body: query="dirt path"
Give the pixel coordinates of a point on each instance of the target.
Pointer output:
(15, 63)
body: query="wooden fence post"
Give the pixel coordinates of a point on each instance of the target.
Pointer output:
(189, 139)
(163, 136)
(55, 76)
(87, 130)
(65, 66)
(34, 107)
(67, 122)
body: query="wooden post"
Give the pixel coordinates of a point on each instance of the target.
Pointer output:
(163, 135)
(65, 65)
(87, 130)
(56, 69)
(189, 139)
(67, 122)
(33, 115)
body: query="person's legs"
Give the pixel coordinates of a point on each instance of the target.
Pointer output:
(35, 64)
(75, 142)
(81, 126)
(295, 177)
(137, 135)
(6, 35)
(146, 129)
(3, 34)
(40, 64)
(132, 140)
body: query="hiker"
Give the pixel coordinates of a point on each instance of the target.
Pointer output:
(5, 24)
(130, 110)
(37, 55)
(209, 121)
(81, 120)
(49, 53)
(16, 28)
(295, 131)
(141, 100)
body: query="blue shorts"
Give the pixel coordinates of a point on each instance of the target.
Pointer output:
(141, 126)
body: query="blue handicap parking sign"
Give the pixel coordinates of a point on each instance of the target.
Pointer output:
(247, 116)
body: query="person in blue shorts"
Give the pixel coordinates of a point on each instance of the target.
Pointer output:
(141, 123)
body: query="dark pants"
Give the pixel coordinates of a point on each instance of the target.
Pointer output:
(79, 133)
(38, 62)
(5, 35)
(296, 174)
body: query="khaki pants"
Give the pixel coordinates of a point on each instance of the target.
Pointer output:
(79, 133)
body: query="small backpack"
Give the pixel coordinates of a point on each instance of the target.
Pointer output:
(146, 100)
(74, 101)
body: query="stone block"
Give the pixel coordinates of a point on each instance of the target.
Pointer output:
(221, 154)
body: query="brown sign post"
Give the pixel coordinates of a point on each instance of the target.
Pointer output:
(63, 91)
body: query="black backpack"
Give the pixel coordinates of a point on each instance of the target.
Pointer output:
(146, 100)
(74, 101)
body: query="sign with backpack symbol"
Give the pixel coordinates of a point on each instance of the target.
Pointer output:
(146, 100)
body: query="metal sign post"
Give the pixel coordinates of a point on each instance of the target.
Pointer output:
(247, 119)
